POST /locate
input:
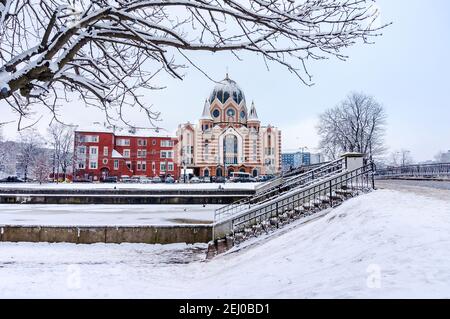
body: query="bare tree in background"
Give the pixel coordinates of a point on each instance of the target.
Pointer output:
(41, 167)
(401, 158)
(8, 155)
(107, 50)
(30, 145)
(357, 124)
(61, 139)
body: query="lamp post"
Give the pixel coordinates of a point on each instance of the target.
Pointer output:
(184, 170)
(302, 151)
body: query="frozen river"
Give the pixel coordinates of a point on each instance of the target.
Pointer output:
(414, 183)
(101, 215)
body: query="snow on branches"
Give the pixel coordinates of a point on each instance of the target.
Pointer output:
(108, 50)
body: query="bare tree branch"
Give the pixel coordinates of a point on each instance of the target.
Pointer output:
(106, 51)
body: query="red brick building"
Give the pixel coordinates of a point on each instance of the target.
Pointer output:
(102, 153)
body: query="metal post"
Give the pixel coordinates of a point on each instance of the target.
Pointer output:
(372, 168)
(331, 195)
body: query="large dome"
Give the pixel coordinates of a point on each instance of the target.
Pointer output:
(225, 89)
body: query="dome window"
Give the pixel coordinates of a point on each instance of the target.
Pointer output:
(220, 95)
(226, 96)
(230, 112)
(235, 97)
(216, 113)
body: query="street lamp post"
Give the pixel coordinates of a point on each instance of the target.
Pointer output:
(302, 151)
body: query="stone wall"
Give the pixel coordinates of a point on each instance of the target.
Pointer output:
(97, 234)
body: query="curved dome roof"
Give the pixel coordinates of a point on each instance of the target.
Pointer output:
(225, 89)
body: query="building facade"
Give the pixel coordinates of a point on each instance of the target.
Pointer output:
(102, 153)
(292, 160)
(229, 137)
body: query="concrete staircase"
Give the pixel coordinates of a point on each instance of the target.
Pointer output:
(280, 185)
(330, 190)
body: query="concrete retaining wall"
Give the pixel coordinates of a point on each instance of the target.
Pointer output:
(97, 234)
(116, 199)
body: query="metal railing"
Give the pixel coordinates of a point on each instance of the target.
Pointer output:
(420, 170)
(358, 179)
(303, 169)
(274, 189)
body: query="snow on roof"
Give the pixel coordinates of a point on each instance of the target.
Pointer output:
(206, 115)
(253, 115)
(116, 154)
(129, 132)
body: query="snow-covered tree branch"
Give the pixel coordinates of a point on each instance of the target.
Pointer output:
(107, 50)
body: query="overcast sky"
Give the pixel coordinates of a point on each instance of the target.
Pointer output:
(407, 70)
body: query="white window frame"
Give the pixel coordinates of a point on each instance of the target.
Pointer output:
(82, 150)
(142, 142)
(116, 165)
(93, 152)
(125, 151)
(166, 143)
(123, 142)
(93, 166)
(105, 151)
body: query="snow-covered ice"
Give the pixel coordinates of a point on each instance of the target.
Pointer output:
(386, 244)
(101, 215)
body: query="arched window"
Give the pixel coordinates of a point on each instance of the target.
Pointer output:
(206, 172)
(255, 172)
(230, 149)
(219, 171)
(230, 171)
(242, 170)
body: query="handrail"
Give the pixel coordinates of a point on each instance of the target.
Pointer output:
(302, 179)
(303, 169)
(306, 194)
(435, 169)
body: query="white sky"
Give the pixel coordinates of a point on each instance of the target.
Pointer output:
(406, 70)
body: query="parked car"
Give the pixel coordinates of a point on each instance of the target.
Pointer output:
(220, 179)
(82, 180)
(195, 180)
(110, 179)
(169, 180)
(264, 178)
(137, 179)
(156, 179)
(11, 179)
(146, 180)
(125, 179)
(205, 179)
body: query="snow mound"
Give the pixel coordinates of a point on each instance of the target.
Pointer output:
(385, 244)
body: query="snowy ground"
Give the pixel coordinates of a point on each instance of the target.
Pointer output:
(100, 215)
(386, 244)
(434, 189)
(127, 186)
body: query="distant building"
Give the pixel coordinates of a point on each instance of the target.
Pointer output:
(445, 157)
(100, 153)
(229, 137)
(299, 158)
